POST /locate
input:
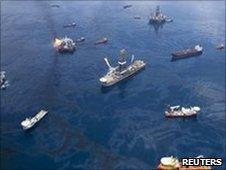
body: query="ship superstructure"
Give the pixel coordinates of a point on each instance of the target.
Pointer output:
(177, 111)
(158, 17)
(122, 71)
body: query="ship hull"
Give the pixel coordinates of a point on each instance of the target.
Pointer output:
(181, 116)
(101, 42)
(123, 78)
(162, 167)
(185, 54)
(127, 6)
(152, 21)
(61, 50)
(28, 127)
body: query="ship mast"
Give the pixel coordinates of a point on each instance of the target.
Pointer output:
(157, 11)
(122, 59)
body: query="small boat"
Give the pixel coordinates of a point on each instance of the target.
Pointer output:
(2, 77)
(127, 6)
(137, 17)
(81, 39)
(3, 80)
(101, 41)
(55, 5)
(191, 52)
(73, 24)
(170, 163)
(177, 111)
(169, 19)
(31, 121)
(220, 46)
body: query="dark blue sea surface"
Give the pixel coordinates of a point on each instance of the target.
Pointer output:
(122, 127)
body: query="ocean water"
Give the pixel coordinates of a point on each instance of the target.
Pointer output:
(122, 127)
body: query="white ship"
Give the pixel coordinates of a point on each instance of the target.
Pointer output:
(177, 111)
(122, 71)
(31, 121)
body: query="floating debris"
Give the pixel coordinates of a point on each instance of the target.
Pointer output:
(177, 111)
(101, 41)
(127, 6)
(191, 52)
(81, 39)
(220, 46)
(64, 45)
(158, 17)
(31, 121)
(122, 71)
(73, 24)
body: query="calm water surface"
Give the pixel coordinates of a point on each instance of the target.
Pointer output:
(121, 127)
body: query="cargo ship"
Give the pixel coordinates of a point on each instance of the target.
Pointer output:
(191, 52)
(31, 121)
(101, 41)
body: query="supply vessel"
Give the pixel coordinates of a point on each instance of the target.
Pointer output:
(122, 71)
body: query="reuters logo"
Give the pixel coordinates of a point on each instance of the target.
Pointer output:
(201, 161)
(198, 163)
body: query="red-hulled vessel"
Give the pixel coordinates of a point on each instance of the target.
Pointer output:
(191, 52)
(101, 41)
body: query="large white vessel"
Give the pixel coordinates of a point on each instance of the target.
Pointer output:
(31, 121)
(122, 71)
(177, 111)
